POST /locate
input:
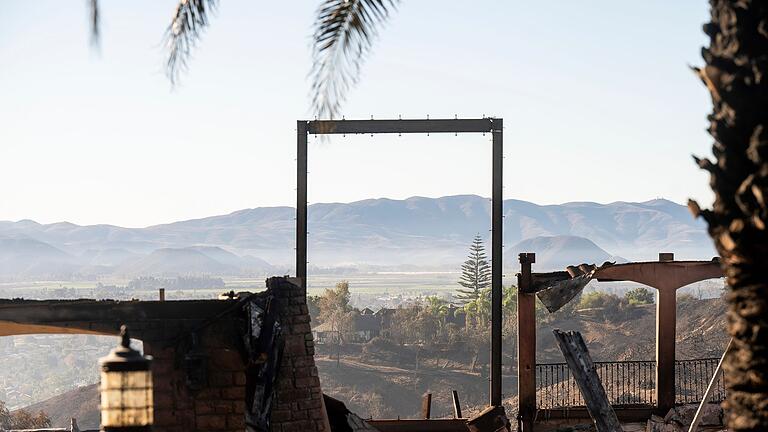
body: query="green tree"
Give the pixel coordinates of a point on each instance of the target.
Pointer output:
(436, 306)
(475, 272)
(478, 311)
(607, 306)
(509, 314)
(509, 300)
(313, 306)
(334, 308)
(436, 309)
(640, 296)
(736, 76)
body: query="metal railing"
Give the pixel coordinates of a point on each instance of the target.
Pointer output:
(692, 378)
(626, 383)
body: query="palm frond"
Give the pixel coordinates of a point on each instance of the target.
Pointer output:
(94, 21)
(343, 35)
(189, 22)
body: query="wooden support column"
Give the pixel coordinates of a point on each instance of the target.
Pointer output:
(666, 317)
(526, 343)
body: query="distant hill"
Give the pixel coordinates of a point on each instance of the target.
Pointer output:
(174, 262)
(108, 257)
(27, 256)
(81, 403)
(418, 231)
(558, 252)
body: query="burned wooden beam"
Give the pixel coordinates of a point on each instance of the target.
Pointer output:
(456, 405)
(557, 289)
(426, 406)
(583, 369)
(491, 419)
(560, 294)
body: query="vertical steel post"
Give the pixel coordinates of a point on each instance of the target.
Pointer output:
(301, 202)
(526, 343)
(497, 214)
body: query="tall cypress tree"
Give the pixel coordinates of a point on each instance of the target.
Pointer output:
(475, 272)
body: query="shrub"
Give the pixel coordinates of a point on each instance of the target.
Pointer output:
(640, 296)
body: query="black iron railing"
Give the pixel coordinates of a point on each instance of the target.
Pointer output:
(626, 383)
(692, 378)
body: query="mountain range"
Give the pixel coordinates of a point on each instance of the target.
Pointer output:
(418, 231)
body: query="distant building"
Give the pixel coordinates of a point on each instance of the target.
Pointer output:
(367, 326)
(385, 316)
(325, 334)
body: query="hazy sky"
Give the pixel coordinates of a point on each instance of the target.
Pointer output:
(597, 99)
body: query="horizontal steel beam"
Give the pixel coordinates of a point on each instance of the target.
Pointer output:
(322, 127)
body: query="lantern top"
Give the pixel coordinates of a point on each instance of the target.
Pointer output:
(124, 358)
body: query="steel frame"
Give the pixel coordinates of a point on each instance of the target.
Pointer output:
(494, 126)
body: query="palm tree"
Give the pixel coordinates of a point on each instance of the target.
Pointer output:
(344, 32)
(478, 310)
(436, 306)
(435, 311)
(736, 75)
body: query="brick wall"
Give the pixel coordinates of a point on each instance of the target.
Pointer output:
(298, 405)
(218, 404)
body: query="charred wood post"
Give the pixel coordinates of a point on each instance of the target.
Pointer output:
(456, 405)
(491, 419)
(580, 363)
(426, 406)
(526, 343)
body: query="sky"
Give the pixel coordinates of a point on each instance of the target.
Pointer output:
(597, 97)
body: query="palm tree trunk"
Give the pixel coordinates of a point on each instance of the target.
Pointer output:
(736, 74)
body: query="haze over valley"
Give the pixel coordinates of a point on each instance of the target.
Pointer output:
(370, 235)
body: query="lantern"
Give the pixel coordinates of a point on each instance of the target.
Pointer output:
(126, 389)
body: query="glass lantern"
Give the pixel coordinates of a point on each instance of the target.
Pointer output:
(126, 389)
